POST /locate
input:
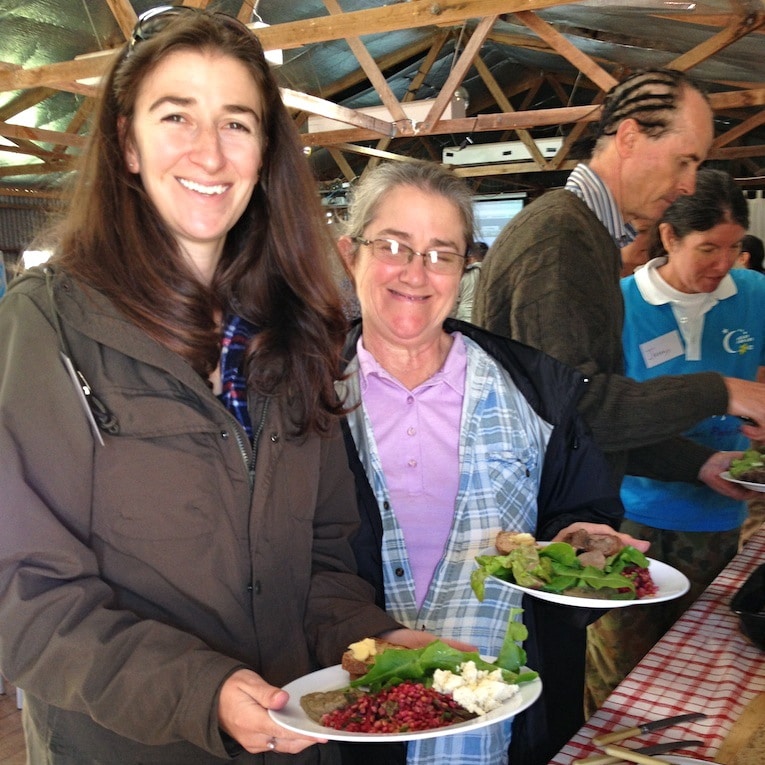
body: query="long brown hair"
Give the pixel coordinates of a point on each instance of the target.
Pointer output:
(274, 270)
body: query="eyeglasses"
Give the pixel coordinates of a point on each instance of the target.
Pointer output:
(153, 21)
(396, 254)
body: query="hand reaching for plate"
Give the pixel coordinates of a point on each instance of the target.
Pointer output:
(718, 463)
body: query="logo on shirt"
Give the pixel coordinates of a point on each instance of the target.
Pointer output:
(737, 341)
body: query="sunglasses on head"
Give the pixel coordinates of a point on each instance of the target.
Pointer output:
(153, 21)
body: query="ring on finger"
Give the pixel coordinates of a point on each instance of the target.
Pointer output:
(271, 745)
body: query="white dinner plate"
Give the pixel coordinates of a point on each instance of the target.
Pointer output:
(746, 484)
(295, 719)
(670, 584)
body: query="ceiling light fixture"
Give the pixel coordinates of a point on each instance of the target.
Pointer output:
(668, 6)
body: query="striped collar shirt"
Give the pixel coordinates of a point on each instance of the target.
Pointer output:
(585, 183)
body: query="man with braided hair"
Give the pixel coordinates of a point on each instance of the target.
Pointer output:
(551, 280)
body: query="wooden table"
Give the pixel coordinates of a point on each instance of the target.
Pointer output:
(703, 664)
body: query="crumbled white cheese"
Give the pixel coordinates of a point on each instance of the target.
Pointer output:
(477, 690)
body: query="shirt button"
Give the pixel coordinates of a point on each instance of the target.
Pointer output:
(224, 434)
(410, 400)
(275, 437)
(412, 463)
(411, 431)
(399, 571)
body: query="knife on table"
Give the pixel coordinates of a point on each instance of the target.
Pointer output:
(607, 759)
(618, 735)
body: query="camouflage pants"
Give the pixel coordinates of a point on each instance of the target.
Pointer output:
(621, 637)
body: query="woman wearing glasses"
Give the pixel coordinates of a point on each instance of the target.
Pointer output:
(458, 435)
(176, 500)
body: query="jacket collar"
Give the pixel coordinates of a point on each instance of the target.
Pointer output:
(89, 313)
(531, 369)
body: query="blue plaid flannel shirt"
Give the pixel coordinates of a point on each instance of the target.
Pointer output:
(501, 453)
(236, 336)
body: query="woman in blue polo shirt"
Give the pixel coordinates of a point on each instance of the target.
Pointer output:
(688, 310)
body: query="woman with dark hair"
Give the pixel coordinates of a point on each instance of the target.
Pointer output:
(752, 253)
(176, 503)
(688, 311)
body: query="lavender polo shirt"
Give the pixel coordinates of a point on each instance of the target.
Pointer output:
(417, 437)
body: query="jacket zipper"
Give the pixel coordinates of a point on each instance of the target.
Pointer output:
(249, 463)
(255, 440)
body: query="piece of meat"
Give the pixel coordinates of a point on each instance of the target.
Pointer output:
(753, 475)
(578, 539)
(581, 539)
(592, 558)
(319, 703)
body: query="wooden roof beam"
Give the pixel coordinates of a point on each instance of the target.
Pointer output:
(296, 34)
(371, 69)
(505, 106)
(457, 74)
(740, 130)
(302, 101)
(568, 50)
(416, 83)
(525, 119)
(478, 123)
(743, 26)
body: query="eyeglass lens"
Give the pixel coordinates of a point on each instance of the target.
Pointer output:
(441, 261)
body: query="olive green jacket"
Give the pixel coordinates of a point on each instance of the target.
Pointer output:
(135, 576)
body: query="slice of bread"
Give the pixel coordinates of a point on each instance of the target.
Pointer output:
(507, 541)
(360, 656)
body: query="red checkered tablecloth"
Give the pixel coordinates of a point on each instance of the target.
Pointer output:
(703, 664)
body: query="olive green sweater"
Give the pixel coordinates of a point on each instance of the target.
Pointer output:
(551, 280)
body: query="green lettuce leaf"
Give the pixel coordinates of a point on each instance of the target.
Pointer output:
(394, 666)
(555, 568)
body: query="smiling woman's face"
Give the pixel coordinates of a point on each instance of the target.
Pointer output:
(406, 305)
(197, 143)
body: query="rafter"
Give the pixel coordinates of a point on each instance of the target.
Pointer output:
(740, 102)
(296, 34)
(504, 104)
(123, 12)
(457, 74)
(740, 130)
(371, 69)
(571, 53)
(739, 28)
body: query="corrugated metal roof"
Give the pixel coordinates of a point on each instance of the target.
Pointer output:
(722, 40)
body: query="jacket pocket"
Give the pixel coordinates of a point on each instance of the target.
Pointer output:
(160, 478)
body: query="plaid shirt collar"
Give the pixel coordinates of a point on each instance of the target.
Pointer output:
(237, 334)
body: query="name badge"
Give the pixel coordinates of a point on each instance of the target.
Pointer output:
(661, 349)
